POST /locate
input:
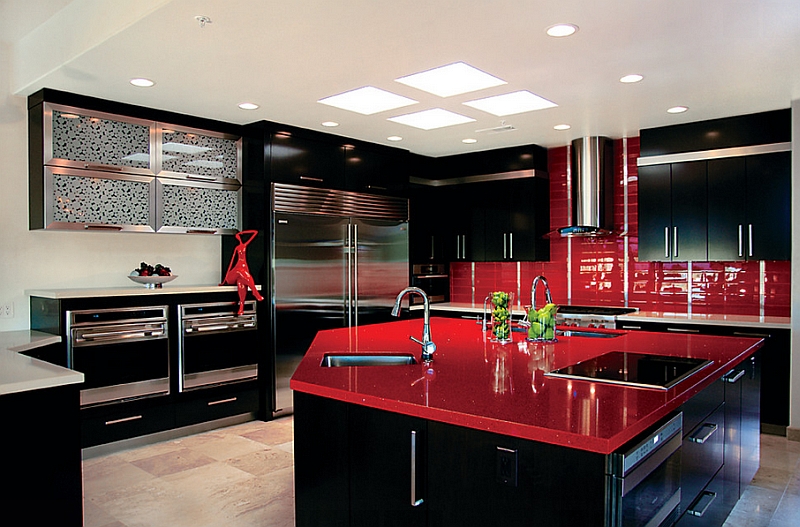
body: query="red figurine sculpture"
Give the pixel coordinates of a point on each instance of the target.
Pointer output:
(238, 272)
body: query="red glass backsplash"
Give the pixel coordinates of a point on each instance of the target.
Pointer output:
(592, 271)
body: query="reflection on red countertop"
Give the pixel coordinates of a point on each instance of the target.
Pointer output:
(501, 388)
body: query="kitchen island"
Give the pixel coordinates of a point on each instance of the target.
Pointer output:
(547, 438)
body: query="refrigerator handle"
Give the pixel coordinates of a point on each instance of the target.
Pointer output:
(355, 274)
(348, 297)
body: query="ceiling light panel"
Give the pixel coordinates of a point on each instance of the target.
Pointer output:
(367, 100)
(431, 119)
(511, 103)
(453, 79)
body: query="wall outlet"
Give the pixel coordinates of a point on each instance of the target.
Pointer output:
(7, 311)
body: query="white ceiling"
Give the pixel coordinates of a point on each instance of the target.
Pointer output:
(718, 57)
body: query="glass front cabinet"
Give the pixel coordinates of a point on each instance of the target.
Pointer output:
(102, 171)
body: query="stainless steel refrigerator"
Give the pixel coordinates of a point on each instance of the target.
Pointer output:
(339, 259)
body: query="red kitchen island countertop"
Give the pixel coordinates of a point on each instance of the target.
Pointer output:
(501, 388)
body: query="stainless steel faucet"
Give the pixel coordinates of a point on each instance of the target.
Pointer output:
(428, 347)
(535, 283)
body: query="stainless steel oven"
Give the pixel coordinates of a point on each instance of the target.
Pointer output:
(433, 279)
(123, 352)
(216, 345)
(643, 480)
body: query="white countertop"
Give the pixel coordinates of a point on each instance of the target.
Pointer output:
(647, 316)
(20, 373)
(129, 291)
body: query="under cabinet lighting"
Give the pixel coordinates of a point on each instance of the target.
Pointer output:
(431, 119)
(453, 79)
(367, 100)
(142, 82)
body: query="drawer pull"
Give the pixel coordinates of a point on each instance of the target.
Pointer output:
(124, 420)
(631, 327)
(309, 178)
(101, 227)
(102, 167)
(755, 335)
(702, 503)
(701, 437)
(683, 330)
(735, 378)
(222, 401)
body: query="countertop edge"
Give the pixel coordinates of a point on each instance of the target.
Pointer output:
(57, 294)
(20, 373)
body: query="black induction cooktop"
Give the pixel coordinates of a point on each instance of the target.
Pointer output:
(658, 372)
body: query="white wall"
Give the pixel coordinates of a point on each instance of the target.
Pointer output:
(794, 412)
(53, 259)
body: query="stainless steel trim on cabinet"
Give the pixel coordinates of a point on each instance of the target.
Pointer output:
(515, 174)
(704, 155)
(120, 392)
(47, 150)
(50, 206)
(311, 200)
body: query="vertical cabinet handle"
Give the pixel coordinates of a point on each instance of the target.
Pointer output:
(749, 239)
(433, 251)
(415, 502)
(511, 245)
(675, 242)
(463, 246)
(666, 242)
(741, 249)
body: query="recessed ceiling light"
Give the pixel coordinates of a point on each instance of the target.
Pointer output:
(367, 100)
(453, 79)
(628, 79)
(394, 138)
(142, 82)
(248, 106)
(511, 103)
(562, 127)
(469, 140)
(562, 30)
(330, 124)
(677, 109)
(430, 119)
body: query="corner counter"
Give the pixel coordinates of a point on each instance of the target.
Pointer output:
(20, 373)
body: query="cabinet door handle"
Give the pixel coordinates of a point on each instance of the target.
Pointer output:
(750, 239)
(102, 167)
(200, 231)
(415, 502)
(755, 335)
(702, 503)
(101, 227)
(458, 246)
(511, 245)
(675, 242)
(223, 401)
(732, 380)
(309, 178)
(463, 246)
(195, 177)
(123, 420)
(433, 248)
(683, 330)
(631, 327)
(666, 242)
(741, 241)
(704, 433)
(505, 245)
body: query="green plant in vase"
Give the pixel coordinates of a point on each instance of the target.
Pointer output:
(543, 323)
(501, 316)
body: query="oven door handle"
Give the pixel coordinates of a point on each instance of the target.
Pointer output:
(121, 335)
(195, 327)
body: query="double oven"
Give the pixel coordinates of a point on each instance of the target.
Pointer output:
(131, 353)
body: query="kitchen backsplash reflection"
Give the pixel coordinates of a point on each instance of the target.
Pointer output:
(604, 271)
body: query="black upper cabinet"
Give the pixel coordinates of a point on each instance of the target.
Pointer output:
(427, 235)
(673, 220)
(769, 183)
(306, 161)
(516, 220)
(376, 170)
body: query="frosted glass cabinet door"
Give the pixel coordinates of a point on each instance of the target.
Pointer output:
(92, 200)
(78, 138)
(198, 208)
(198, 155)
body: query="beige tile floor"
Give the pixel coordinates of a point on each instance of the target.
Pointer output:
(242, 475)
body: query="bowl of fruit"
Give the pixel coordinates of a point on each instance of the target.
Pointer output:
(152, 277)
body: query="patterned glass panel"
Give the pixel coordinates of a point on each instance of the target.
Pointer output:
(197, 154)
(98, 200)
(100, 141)
(199, 207)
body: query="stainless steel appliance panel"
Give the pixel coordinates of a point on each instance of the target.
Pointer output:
(216, 345)
(331, 271)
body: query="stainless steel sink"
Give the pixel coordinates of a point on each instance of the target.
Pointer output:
(335, 361)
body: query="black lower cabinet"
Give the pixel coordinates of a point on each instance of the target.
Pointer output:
(479, 478)
(209, 404)
(114, 422)
(42, 465)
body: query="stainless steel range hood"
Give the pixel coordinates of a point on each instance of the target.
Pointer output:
(592, 184)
